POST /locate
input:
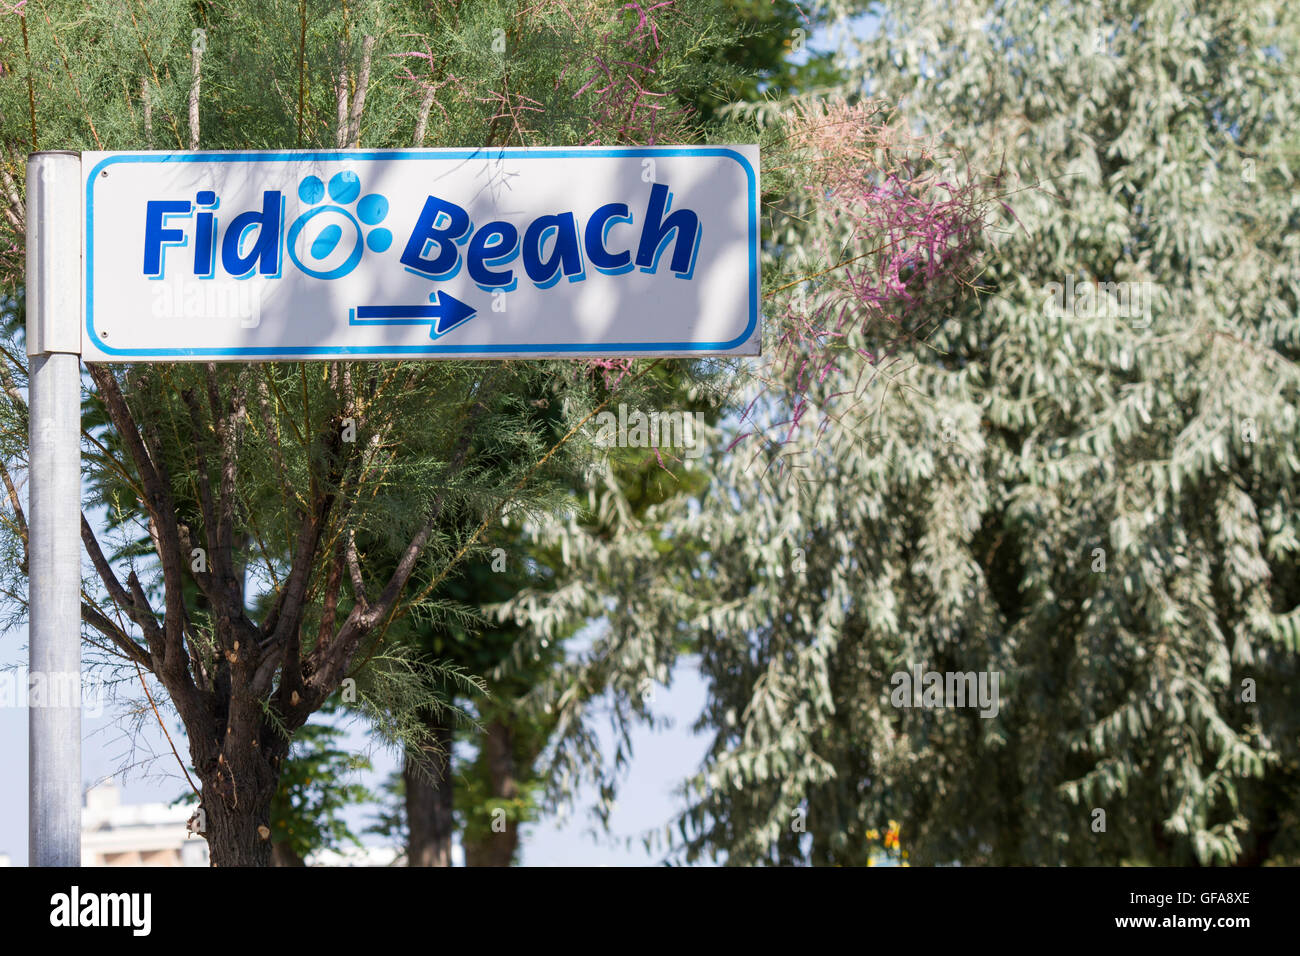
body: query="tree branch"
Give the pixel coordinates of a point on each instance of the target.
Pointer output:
(141, 614)
(341, 93)
(196, 61)
(169, 656)
(359, 99)
(327, 663)
(102, 623)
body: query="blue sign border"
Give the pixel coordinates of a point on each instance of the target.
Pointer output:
(307, 351)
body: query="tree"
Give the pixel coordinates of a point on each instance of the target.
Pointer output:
(488, 796)
(244, 478)
(869, 249)
(745, 53)
(306, 812)
(1154, 430)
(429, 781)
(509, 781)
(771, 57)
(1089, 491)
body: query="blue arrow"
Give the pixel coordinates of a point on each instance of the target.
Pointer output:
(445, 314)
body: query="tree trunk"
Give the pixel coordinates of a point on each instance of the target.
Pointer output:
(430, 800)
(239, 780)
(283, 855)
(498, 847)
(235, 834)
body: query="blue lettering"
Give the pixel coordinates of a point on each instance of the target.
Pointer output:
(481, 254)
(157, 236)
(205, 262)
(658, 231)
(597, 232)
(566, 254)
(427, 230)
(265, 253)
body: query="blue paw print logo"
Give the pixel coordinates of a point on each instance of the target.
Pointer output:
(327, 240)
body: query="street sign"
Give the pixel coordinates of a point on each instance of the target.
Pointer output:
(407, 254)
(421, 254)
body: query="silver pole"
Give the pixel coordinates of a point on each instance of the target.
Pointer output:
(54, 507)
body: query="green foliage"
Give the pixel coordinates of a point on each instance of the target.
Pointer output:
(1146, 139)
(501, 71)
(248, 458)
(772, 53)
(306, 814)
(950, 515)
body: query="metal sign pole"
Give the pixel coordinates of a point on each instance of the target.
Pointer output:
(54, 507)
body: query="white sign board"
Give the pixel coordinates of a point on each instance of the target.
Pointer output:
(418, 254)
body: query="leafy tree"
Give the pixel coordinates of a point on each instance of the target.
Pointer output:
(488, 796)
(500, 784)
(306, 812)
(868, 250)
(248, 465)
(1152, 145)
(770, 57)
(1096, 500)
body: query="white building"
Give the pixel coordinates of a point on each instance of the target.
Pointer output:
(136, 834)
(155, 834)
(359, 856)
